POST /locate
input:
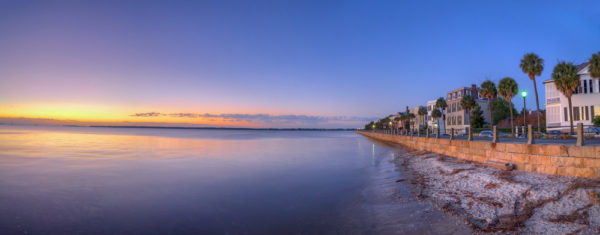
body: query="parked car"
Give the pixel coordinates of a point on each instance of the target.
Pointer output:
(491, 134)
(592, 130)
(536, 134)
(486, 134)
(557, 133)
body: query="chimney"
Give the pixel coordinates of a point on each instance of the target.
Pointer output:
(474, 92)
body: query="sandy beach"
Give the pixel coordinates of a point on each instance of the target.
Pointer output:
(492, 200)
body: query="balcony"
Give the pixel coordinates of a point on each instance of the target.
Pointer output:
(553, 100)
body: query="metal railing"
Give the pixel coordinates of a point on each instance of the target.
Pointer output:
(497, 134)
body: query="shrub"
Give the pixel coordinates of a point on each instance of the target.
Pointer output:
(596, 121)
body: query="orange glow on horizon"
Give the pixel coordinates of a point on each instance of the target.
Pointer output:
(102, 114)
(110, 115)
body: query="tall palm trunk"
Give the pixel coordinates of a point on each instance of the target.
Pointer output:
(444, 119)
(537, 102)
(490, 110)
(512, 127)
(570, 113)
(468, 117)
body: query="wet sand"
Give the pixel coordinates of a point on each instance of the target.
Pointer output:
(389, 206)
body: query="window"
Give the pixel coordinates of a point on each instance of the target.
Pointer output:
(596, 111)
(566, 115)
(575, 113)
(587, 117)
(585, 86)
(459, 120)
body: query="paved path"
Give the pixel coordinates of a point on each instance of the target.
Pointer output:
(595, 141)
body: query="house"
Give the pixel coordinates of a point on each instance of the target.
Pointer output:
(419, 120)
(585, 102)
(456, 117)
(431, 122)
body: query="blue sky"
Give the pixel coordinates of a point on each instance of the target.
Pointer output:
(316, 58)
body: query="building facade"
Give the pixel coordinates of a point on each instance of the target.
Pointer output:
(431, 122)
(419, 121)
(585, 102)
(456, 117)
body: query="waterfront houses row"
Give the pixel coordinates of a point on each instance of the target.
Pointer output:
(585, 101)
(576, 86)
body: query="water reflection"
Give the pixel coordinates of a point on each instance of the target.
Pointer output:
(88, 181)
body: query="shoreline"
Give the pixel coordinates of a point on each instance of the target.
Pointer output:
(386, 206)
(498, 201)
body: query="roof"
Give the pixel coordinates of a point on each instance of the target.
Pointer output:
(580, 67)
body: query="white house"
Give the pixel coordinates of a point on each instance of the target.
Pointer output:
(585, 101)
(431, 122)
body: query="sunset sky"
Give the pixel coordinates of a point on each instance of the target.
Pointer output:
(270, 63)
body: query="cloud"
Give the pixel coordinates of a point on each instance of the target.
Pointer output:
(300, 120)
(150, 114)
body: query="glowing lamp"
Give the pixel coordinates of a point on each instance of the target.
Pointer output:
(524, 93)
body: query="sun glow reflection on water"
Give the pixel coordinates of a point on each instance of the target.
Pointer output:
(82, 180)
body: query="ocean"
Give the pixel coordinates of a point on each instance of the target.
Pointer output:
(93, 180)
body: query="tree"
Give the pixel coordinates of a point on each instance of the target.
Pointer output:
(410, 117)
(422, 112)
(501, 110)
(370, 126)
(596, 121)
(566, 80)
(387, 123)
(533, 65)
(467, 103)
(595, 65)
(488, 91)
(477, 120)
(440, 103)
(436, 114)
(508, 88)
(397, 121)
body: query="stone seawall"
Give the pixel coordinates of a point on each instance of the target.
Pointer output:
(580, 161)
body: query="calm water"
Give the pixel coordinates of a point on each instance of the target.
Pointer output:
(149, 181)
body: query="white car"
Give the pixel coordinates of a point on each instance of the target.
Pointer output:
(491, 134)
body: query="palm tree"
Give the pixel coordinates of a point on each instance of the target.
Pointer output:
(532, 65)
(436, 114)
(488, 90)
(397, 121)
(440, 103)
(467, 103)
(508, 88)
(595, 65)
(386, 123)
(566, 80)
(410, 117)
(422, 112)
(403, 118)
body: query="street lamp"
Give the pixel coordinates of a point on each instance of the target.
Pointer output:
(524, 94)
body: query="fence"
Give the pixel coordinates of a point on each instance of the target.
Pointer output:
(495, 134)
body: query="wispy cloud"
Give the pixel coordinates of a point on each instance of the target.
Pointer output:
(300, 120)
(150, 114)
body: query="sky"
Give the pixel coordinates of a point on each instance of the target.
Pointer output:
(321, 64)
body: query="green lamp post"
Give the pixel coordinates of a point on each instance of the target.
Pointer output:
(524, 94)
